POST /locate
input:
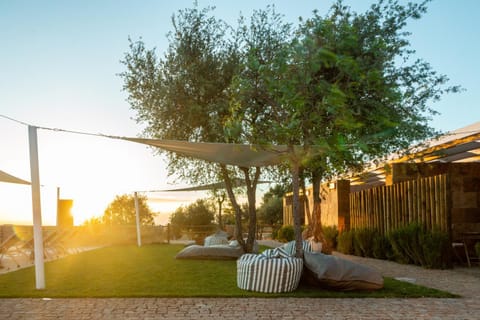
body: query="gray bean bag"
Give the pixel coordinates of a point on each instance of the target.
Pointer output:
(213, 252)
(215, 240)
(339, 274)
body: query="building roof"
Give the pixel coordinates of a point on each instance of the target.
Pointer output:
(461, 145)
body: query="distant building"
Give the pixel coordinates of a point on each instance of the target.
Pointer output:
(391, 188)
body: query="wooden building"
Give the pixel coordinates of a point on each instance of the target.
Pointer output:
(436, 183)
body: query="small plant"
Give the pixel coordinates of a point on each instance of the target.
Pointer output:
(406, 244)
(330, 233)
(435, 247)
(364, 241)
(286, 234)
(382, 249)
(345, 242)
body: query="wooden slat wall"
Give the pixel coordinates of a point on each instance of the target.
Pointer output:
(387, 208)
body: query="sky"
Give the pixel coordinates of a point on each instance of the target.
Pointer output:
(59, 66)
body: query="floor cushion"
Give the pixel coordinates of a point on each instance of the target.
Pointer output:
(215, 239)
(213, 252)
(332, 272)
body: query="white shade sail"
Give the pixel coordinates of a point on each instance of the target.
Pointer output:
(224, 153)
(211, 186)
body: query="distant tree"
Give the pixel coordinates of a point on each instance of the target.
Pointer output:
(199, 213)
(271, 210)
(93, 221)
(122, 211)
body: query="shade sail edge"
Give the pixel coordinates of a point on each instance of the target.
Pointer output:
(224, 153)
(5, 177)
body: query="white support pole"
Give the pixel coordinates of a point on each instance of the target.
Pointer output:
(37, 210)
(137, 216)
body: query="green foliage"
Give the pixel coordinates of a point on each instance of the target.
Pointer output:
(152, 271)
(411, 244)
(364, 238)
(436, 249)
(345, 242)
(406, 243)
(122, 211)
(414, 244)
(382, 249)
(270, 211)
(182, 94)
(286, 234)
(477, 249)
(330, 234)
(196, 214)
(333, 85)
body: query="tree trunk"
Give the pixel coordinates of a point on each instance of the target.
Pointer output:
(220, 200)
(252, 213)
(295, 166)
(317, 230)
(305, 201)
(236, 207)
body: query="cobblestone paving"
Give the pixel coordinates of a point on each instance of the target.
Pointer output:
(226, 309)
(463, 281)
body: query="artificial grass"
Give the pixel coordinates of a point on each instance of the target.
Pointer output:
(153, 271)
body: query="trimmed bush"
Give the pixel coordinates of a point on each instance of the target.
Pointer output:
(406, 244)
(286, 234)
(382, 249)
(345, 242)
(331, 234)
(364, 242)
(436, 249)
(411, 244)
(414, 244)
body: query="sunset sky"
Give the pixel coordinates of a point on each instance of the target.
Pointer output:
(59, 66)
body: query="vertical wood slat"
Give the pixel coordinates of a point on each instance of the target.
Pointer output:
(433, 217)
(422, 202)
(386, 208)
(428, 215)
(438, 220)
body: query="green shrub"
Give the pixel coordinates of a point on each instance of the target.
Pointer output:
(275, 232)
(331, 234)
(364, 242)
(436, 249)
(477, 249)
(286, 234)
(405, 243)
(382, 248)
(414, 244)
(345, 242)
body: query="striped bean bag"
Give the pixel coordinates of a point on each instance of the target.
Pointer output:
(272, 272)
(290, 248)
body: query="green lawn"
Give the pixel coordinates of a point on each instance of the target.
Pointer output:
(152, 271)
